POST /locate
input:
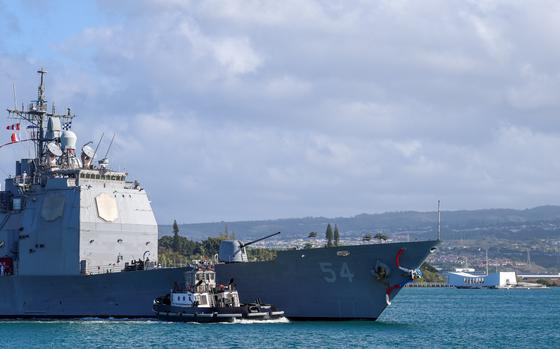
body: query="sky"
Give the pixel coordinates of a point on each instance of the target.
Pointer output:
(242, 110)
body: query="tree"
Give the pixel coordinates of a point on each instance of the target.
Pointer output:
(336, 235)
(367, 237)
(329, 236)
(312, 235)
(176, 240)
(381, 237)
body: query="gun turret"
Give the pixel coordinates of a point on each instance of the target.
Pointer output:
(232, 251)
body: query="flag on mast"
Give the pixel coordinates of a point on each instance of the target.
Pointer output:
(15, 137)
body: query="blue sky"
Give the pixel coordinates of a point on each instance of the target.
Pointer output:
(34, 27)
(262, 109)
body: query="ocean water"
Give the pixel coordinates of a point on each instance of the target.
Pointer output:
(434, 318)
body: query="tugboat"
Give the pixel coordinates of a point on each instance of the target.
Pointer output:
(201, 300)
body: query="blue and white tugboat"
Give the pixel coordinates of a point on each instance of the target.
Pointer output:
(201, 300)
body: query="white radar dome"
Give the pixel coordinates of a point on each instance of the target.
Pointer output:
(68, 140)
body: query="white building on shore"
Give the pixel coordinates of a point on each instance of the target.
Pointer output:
(495, 280)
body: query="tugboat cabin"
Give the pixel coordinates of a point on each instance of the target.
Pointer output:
(201, 291)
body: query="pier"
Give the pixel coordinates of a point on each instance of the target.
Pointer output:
(427, 284)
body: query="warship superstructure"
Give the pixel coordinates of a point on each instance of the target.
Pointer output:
(79, 239)
(76, 238)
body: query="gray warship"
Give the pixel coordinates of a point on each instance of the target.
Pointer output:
(78, 239)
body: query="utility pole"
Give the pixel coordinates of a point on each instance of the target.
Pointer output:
(438, 222)
(486, 260)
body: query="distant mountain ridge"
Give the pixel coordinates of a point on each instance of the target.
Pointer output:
(537, 222)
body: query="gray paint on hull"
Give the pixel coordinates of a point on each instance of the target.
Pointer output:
(115, 294)
(296, 283)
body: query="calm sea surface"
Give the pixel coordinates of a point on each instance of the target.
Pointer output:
(417, 318)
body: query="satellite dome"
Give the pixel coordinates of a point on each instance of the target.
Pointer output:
(68, 140)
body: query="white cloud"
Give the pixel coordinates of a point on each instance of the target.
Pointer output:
(535, 90)
(255, 109)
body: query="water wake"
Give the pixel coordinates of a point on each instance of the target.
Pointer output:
(281, 320)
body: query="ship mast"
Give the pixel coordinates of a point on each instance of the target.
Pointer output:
(41, 107)
(37, 116)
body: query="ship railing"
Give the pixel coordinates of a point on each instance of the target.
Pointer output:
(114, 268)
(101, 269)
(171, 264)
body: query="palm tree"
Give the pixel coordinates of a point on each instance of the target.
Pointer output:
(336, 235)
(329, 235)
(367, 237)
(176, 239)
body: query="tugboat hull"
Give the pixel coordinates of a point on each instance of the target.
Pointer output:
(203, 315)
(196, 314)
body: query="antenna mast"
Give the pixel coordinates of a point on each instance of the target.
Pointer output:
(438, 222)
(37, 116)
(95, 152)
(14, 93)
(110, 144)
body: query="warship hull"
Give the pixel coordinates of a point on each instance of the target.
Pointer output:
(316, 284)
(336, 283)
(124, 294)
